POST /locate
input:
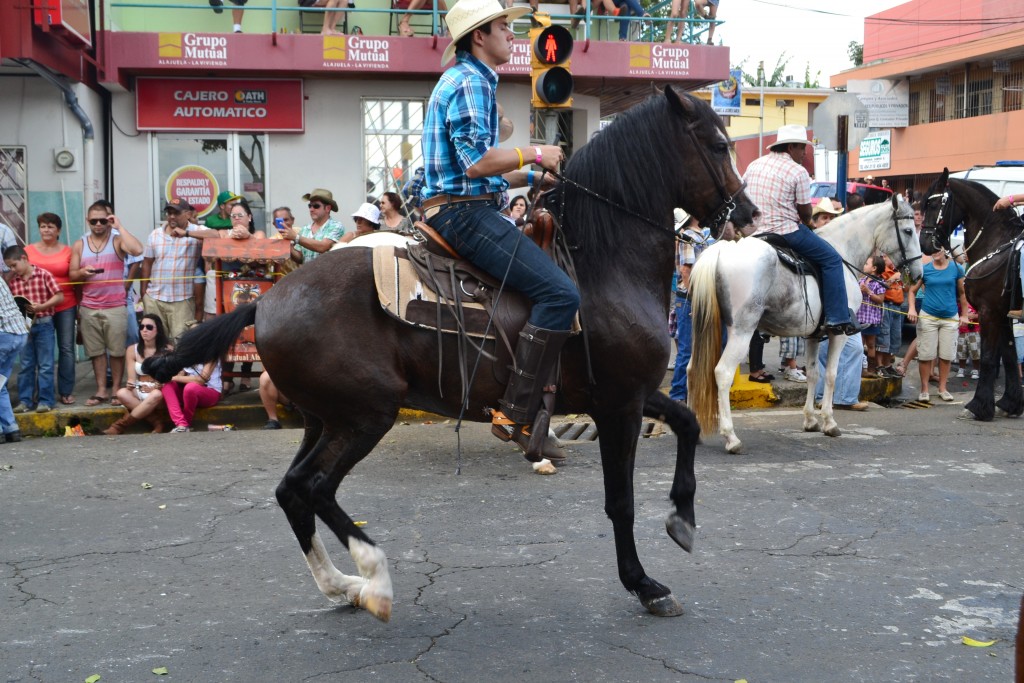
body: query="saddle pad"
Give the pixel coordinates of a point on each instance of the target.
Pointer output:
(406, 298)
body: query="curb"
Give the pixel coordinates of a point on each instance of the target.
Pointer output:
(240, 416)
(744, 395)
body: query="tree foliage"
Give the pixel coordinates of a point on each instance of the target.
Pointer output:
(855, 51)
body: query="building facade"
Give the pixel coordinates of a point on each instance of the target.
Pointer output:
(171, 102)
(963, 64)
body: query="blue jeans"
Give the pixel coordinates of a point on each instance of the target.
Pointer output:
(37, 360)
(804, 242)
(684, 340)
(479, 233)
(851, 361)
(627, 8)
(64, 323)
(10, 345)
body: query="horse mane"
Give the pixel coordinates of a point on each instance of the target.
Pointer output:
(634, 162)
(838, 223)
(974, 199)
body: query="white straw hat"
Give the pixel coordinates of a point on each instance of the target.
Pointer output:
(467, 15)
(825, 206)
(791, 133)
(369, 212)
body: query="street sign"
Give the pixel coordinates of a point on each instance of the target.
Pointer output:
(826, 121)
(875, 151)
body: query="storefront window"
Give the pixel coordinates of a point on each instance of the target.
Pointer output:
(392, 130)
(198, 167)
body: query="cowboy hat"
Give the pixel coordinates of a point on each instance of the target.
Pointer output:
(468, 15)
(825, 206)
(679, 217)
(788, 134)
(323, 195)
(369, 212)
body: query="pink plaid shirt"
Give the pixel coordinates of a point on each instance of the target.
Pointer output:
(37, 289)
(776, 184)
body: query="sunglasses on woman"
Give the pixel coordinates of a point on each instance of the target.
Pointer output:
(147, 326)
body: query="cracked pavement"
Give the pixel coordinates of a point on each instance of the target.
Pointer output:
(863, 558)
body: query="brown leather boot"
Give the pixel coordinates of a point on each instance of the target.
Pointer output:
(533, 380)
(121, 425)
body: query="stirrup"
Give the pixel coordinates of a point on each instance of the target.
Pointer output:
(509, 431)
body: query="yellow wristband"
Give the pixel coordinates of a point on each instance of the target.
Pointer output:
(520, 153)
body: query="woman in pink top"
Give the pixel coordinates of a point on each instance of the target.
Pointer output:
(53, 256)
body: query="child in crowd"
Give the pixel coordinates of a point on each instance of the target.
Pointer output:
(969, 343)
(43, 293)
(194, 387)
(870, 311)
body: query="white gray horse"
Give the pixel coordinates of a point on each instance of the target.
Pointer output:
(744, 286)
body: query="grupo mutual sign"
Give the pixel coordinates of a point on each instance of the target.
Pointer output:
(887, 101)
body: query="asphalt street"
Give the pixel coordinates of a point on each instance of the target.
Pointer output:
(863, 558)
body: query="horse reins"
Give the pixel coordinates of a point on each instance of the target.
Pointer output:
(722, 213)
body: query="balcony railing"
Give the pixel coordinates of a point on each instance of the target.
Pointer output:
(272, 16)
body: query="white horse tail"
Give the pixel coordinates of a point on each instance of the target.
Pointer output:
(702, 393)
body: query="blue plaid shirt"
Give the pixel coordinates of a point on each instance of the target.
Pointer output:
(460, 126)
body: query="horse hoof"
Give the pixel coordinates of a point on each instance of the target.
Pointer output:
(377, 605)
(813, 427)
(733, 446)
(544, 467)
(965, 415)
(666, 606)
(680, 531)
(835, 431)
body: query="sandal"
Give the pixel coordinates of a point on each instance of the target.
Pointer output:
(67, 399)
(96, 400)
(116, 402)
(763, 377)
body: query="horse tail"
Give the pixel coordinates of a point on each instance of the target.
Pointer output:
(702, 395)
(201, 344)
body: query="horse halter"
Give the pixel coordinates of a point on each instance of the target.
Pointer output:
(905, 262)
(723, 212)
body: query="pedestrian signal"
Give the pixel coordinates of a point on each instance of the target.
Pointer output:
(550, 50)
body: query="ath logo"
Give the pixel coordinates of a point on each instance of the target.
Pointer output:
(640, 56)
(169, 46)
(334, 48)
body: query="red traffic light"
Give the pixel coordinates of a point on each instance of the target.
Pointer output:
(553, 45)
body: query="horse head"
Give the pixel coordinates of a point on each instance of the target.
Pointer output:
(899, 242)
(938, 221)
(722, 200)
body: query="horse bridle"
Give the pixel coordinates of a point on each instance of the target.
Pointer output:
(931, 228)
(723, 213)
(904, 264)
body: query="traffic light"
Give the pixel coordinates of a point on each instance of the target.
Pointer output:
(550, 50)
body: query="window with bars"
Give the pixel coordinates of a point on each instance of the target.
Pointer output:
(392, 130)
(1013, 91)
(936, 107)
(978, 100)
(14, 190)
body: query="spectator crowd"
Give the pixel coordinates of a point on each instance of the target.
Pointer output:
(125, 296)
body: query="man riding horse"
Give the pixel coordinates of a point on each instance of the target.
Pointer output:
(781, 187)
(465, 183)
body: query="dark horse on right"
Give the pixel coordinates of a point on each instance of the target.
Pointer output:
(331, 348)
(989, 282)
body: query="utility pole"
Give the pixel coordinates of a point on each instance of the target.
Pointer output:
(760, 129)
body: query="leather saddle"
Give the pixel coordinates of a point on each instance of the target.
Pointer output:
(429, 285)
(797, 264)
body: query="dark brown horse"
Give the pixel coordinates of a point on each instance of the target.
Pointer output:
(329, 346)
(988, 236)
